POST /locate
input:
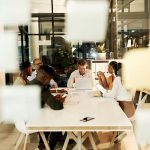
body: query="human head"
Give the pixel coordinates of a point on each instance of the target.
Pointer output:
(82, 64)
(26, 68)
(45, 60)
(45, 74)
(114, 67)
(37, 63)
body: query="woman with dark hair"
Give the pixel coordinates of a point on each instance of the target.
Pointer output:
(119, 93)
(112, 70)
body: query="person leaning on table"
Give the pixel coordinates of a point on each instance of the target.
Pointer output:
(81, 72)
(43, 77)
(118, 92)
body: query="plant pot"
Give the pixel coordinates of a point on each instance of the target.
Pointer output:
(101, 56)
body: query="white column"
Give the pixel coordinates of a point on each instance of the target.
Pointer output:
(44, 49)
(34, 39)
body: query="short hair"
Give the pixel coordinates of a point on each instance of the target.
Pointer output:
(25, 65)
(82, 62)
(36, 60)
(47, 69)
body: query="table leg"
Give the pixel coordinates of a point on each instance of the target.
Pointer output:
(92, 141)
(45, 141)
(79, 141)
(66, 141)
(70, 135)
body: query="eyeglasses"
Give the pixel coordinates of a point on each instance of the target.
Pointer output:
(37, 64)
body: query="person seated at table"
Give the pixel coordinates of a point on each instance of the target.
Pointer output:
(120, 94)
(26, 71)
(81, 72)
(43, 77)
(107, 82)
(36, 65)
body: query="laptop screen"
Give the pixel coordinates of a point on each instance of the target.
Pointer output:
(84, 83)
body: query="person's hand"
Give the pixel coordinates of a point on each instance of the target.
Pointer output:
(100, 74)
(53, 86)
(63, 91)
(60, 98)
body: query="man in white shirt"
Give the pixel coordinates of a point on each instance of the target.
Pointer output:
(81, 72)
(36, 64)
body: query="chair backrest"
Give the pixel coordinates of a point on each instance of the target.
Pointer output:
(142, 101)
(20, 125)
(138, 103)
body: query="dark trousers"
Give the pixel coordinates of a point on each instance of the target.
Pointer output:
(53, 138)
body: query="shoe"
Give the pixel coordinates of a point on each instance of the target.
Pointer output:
(41, 146)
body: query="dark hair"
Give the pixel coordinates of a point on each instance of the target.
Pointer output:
(47, 69)
(45, 60)
(82, 62)
(116, 66)
(25, 65)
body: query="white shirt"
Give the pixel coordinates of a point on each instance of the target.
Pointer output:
(76, 74)
(118, 92)
(33, 76)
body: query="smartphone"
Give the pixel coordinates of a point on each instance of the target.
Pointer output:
(87, 119)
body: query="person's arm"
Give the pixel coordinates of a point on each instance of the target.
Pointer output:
(53, 84)
(71, 80)
(115, 89)
(102, 80)
(51, 101)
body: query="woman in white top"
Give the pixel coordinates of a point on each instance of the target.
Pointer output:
(120, 94)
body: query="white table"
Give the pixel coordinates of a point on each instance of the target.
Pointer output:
(79, 104)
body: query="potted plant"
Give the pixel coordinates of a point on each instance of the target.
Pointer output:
(101, 51)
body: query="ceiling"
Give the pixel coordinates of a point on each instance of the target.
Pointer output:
(135, 20)
(44, 6)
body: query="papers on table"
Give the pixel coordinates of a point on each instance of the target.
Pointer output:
(71, 100)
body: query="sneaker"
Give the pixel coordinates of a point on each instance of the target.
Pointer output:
(41, 146)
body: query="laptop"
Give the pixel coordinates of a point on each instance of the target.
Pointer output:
(100, 88)
(84, 83)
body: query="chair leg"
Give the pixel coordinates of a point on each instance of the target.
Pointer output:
(19, 141)
(44, 140)
(25, 143)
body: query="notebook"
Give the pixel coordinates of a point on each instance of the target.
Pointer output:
(84, 83)
(100, 88)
